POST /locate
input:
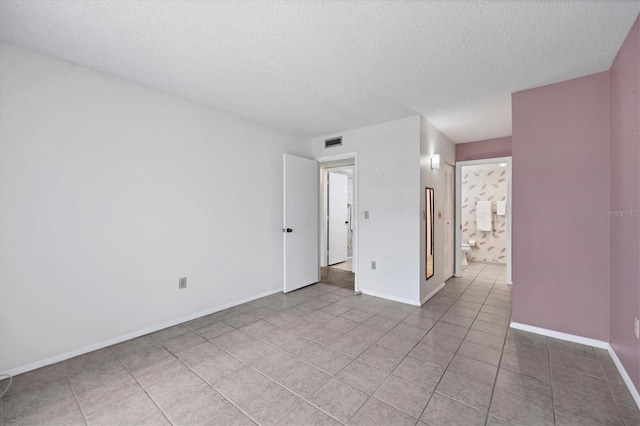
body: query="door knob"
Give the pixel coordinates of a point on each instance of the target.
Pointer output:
(287, 230)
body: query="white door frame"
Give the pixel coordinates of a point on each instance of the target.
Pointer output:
(356, 201)
(458, 228)
(452, 253)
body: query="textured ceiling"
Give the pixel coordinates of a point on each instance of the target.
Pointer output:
(314, 68)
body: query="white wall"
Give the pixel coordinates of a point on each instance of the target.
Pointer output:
(432, 141)
(388, 181)
(110, 192)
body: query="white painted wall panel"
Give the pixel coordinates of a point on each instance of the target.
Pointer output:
(389, 182)
(109, 192)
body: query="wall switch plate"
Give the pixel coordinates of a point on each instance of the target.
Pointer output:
(366, 214)
(182, 282)
(636, 327)
(373, 265)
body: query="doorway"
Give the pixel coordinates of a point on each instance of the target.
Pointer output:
(338, 221)
(339, 217)
(483, 215)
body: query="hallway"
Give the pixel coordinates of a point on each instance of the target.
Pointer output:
(337, 277)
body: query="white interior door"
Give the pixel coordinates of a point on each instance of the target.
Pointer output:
(300, 224)
(449, 230)
(338, 218)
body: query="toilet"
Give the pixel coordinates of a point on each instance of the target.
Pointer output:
(465, 249)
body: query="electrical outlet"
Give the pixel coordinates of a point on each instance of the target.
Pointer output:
(182, 282)
(637, 328)
(366, 214)
(373, 265)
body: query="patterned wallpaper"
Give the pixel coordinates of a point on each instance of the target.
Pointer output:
(483, 183)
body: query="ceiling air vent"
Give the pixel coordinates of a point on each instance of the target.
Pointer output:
(328, 143)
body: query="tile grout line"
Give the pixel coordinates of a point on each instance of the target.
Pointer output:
(203, 379)
(369, 396)
(610, 389)
(374, 343)
(571, 371)
(386, 378)
(144, 388)
(454, 354)
(217, 391)
(407, 356)
(575, 371)
(262, 374)
(389, 374)
(68, 377)
(75, 396)
(553, 404)
(277, 348)
(200, 377)
(333, 376)
(71, 387)
(245, 364)
(400, 322)
(463, 339)
(495, 380)
(456, 351)
(38, 407)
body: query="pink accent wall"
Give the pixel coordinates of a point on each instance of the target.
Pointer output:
(490, 148)
(560, 193)
(624, 80)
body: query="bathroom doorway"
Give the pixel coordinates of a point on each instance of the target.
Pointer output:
(483, 215)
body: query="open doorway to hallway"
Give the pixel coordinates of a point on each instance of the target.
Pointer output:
(338, 277)
(338, 223)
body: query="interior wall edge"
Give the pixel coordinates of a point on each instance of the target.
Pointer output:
(389, 297)
(625, 376)
(560, 335)
(433, 293)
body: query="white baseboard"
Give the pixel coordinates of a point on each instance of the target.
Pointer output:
(395, 299)
(559, 335)
(585, 341)
(433, 293)
(625, 376)
(81, 351)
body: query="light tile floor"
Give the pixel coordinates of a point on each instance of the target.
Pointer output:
(347, 265)
(322, 355)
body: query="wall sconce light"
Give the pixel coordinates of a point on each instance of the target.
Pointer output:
(435, 161)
